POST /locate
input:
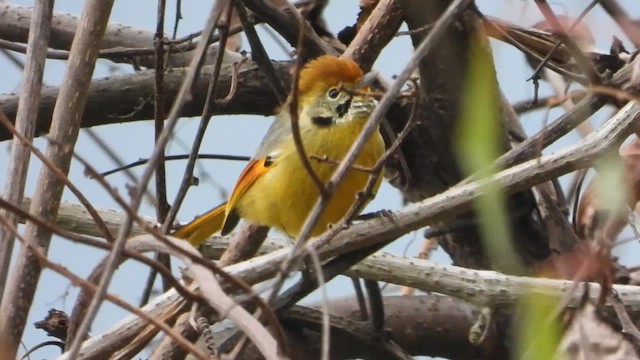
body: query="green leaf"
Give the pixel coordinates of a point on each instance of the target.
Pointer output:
(539, 331)
(479, 143)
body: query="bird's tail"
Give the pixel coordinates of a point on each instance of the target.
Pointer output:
(200, 229)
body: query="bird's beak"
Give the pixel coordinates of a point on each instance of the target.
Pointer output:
(366, 80)
(362, 106)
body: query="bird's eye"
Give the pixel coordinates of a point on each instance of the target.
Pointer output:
(333, 93)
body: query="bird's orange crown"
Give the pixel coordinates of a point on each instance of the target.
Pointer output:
(326, 71)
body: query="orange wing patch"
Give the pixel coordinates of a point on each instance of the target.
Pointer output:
(254, 170)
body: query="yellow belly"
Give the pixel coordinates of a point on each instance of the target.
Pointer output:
(285, 195)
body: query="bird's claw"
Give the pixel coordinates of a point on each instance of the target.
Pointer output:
(384, 213)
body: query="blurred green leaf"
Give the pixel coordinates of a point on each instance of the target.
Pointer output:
(479, 143)
(611, 189)
(538, 331)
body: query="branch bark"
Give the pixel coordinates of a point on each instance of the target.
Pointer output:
(128, 98)
(15, 22)
(446, 325)
(430, 150)
(64, 132)
(25, 124)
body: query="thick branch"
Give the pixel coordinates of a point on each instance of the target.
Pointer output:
(289, 24)
(380, 28)
(25, 125)
(444, 321)
(14, 26)
(130, 97)
(430, 149)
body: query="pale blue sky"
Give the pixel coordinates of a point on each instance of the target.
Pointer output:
(135, 140)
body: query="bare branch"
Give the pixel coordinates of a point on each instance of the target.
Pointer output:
(108, 104)
(15, 22)
(25, 125)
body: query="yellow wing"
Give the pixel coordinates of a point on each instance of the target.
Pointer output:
(197, 231)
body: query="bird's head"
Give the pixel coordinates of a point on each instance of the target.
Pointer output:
(333, 91)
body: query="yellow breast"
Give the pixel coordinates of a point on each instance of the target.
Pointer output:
(285, 195)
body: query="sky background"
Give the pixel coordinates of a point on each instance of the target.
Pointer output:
(239, 135)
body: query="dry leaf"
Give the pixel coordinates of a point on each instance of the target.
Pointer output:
(595, 220)
(584, 263)
(590, 335)
(55, 324)
(538, 41)
(581, 33)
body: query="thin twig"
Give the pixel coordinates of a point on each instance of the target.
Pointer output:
(583, 63)
(60, 175)
(17, 62)
(359, 295)
(57, 343)
(42, 258)
(544, 61)
(324, 304)
(162, 207)
(209, 108)
(177, 18)
(162, 204)
(89, 241)
(622, 18)
(377, 169)
(376, 305)
(178, 157)
(628, 327)
(289, 24)
(295, 124)
(529, 148)
(234, 82)
(552, 101)
(109, 151)
(259, 54)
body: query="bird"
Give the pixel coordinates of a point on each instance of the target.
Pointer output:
(275, 189)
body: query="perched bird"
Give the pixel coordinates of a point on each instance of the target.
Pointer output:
(275, 189)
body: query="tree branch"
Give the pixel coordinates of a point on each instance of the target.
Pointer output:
(25, 124)
(15, 22)
(107, 103)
